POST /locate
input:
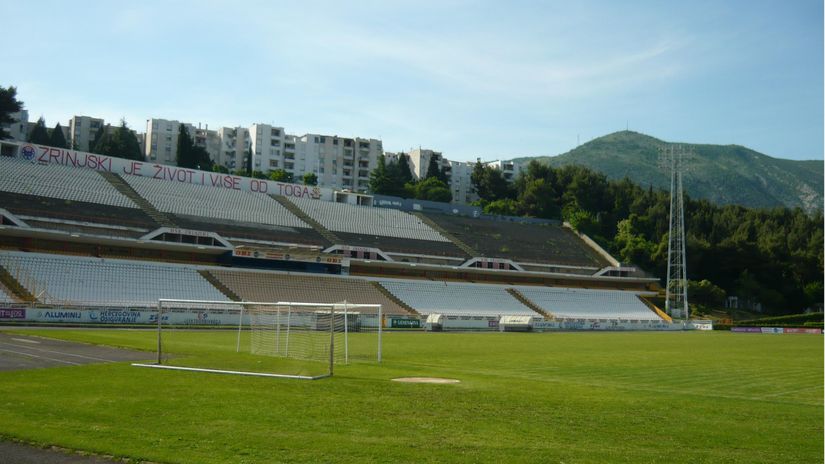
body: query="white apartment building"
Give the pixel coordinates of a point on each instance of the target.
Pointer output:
(461, 183)
(419, 160)
(267, 144)
(234, 143)
(161, 145)
(83, 131)
(509, 169)
(19, 129)
(339, 162)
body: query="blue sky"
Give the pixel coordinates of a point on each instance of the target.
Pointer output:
(472, 79)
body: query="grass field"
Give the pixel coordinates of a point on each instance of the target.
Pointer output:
(561, 397)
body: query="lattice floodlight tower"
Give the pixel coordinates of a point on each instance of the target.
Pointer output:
(675, 159)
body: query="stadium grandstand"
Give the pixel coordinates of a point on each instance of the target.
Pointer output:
(115, 236)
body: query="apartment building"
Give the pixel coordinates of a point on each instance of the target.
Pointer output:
(419, 160)
(461, 183)
(267, 144)
(509, 169)
(19, 129)
(161, 141)
(339, 162)
(83, 130)
(234, 143)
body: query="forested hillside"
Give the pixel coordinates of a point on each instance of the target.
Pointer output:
(768, 256)
(723, 174)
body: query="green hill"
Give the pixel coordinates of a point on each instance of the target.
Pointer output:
(724, 174)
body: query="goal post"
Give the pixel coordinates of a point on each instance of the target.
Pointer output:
(275, 339)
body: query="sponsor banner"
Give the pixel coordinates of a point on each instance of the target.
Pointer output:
(612, 325)
(12, 313)
(277, 255)
(772, 330)
(405, 323)
(802, 331)
(746, 329)
(126, 316)
(40, 154)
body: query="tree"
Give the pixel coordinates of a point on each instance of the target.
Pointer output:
(8, 105)
(432, 189)
(706, 293)
(310, 178)
(220, 168)
(186, 145)
(248, 162)
(381, 181)
(120, 143)
(39, 134)
(490, 183)
(279, 175)
(57, 139)
(403, 173)
(190, 155)
(433, 169)
(97, 142)
(538, 200)
(503, 207)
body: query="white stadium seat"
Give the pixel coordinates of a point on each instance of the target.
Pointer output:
(54, 181)
(366, 220)
(99, 282)
(213, 202)
(455, 298)
(579, 303)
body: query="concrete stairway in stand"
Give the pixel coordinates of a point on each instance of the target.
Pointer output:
(326, 233)
(526, 302)
(126, 189)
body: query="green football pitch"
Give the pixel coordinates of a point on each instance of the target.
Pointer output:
(553, 397)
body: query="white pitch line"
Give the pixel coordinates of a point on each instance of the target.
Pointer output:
(41, 357)
(93, 358)
(26, 340)
(221, 371)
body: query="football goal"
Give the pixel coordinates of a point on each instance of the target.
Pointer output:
(300, 340)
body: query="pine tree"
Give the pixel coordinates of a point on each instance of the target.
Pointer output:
(403, 170)
(433, 169)
(96, 144)
(39, 134)
(381, 181)
(120, 143)
(57, 139)
(185, 158)
(8, 105)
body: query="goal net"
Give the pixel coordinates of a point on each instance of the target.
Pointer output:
(282, 339)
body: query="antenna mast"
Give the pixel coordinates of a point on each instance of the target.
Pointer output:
(674, 158)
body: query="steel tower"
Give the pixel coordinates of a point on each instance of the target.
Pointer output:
(674, 157)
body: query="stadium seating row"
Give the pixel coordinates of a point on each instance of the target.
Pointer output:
(578, 303)
(339, 217)
(270, 286)
(457, 298)
(101, 282)
(212, 202)
(521, 242)
(86, 185)
(104, 282)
